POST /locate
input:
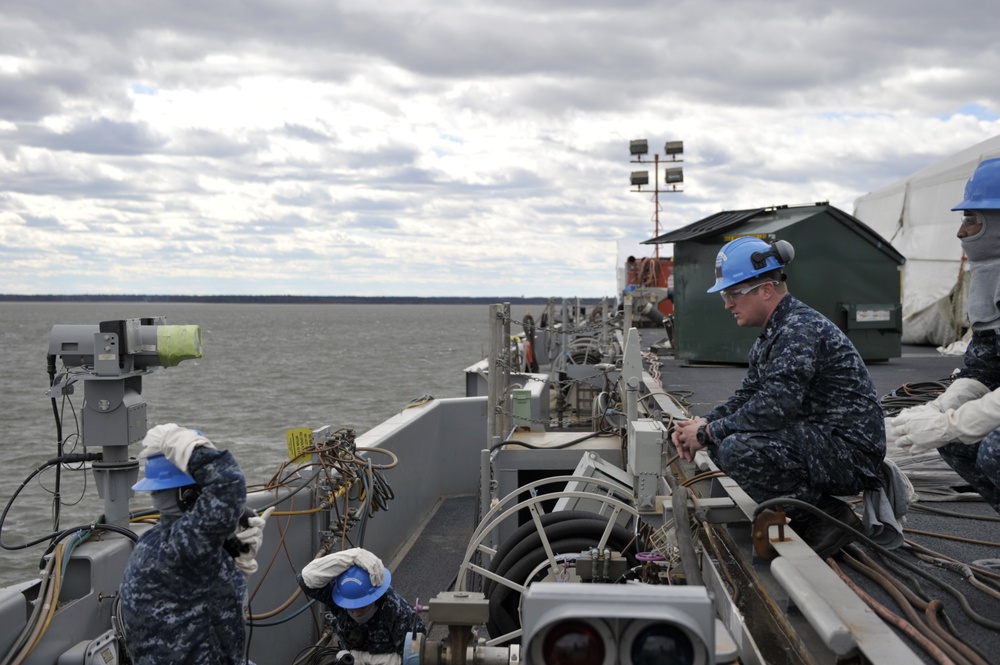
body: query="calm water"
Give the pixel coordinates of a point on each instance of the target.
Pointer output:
(266, 368)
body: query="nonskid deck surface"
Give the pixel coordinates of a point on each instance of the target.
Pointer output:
(430, 564)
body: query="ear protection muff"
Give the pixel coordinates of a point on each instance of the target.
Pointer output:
(781, 250)
(187, 495)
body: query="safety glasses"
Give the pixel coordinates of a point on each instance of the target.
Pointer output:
(971, 219)
(730, 294)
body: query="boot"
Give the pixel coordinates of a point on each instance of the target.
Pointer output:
(824, 536)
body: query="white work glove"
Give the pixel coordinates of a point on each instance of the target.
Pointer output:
(318, 572)
(972, 421)
(969, 423)
(173, 442)
(920, 431)
(958, 393)
(252, 536)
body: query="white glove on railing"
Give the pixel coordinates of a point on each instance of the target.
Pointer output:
(318, 572)
(174, 442)
(958, 393)
(252, 536)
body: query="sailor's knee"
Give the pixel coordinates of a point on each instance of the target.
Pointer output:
(988, 457)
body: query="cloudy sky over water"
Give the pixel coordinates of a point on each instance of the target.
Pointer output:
(316, 147)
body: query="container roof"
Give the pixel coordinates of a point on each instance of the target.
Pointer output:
(730, 220)
(718, 223)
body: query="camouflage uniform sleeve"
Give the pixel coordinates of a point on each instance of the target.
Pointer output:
(786, 353)
(982, 358)
(324, 594)
(216, 513)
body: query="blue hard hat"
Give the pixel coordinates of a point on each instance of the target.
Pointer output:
(747, 257)
(982, 191)
(354, 588)
(161, 474)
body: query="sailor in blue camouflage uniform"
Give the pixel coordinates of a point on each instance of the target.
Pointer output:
(182, 592)
(963, 423)
(371, 620)
(806, 422)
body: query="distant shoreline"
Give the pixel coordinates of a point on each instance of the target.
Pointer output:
(293, 300)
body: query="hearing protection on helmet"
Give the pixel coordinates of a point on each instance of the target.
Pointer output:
(747, 257)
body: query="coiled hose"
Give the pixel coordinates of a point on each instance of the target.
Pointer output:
(568, 532)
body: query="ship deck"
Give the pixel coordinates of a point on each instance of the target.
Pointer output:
(430, 562)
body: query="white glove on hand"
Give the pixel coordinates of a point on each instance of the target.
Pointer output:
(318, 572)
(958, 393)
(153, 443)
(252, 536)
(921, 431)
(174, 442)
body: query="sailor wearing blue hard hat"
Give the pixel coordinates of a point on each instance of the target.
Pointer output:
(963, 423)
(371, 620)
(183, 587)
(806, 423)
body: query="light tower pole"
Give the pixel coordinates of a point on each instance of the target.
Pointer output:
(672, 177)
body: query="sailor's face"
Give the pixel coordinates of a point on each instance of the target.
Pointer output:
(745, 305)
(972, 224)
(362, 614)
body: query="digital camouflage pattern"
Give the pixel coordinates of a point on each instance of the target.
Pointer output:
(182, 594)
(384, 633)
(806, 421)
(979, 463)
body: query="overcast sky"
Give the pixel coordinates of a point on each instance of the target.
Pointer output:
(448, 148)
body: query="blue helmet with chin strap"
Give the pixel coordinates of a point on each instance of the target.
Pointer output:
(982, 191)
(746, 258)
(354, 588)
(161, 474)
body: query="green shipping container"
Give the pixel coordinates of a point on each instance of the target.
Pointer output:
(841, 268)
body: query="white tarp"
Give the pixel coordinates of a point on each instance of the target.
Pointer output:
(915, 216)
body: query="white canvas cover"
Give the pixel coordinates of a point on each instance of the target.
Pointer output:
(914, 214)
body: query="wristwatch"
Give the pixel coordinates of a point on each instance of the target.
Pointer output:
(702, 436)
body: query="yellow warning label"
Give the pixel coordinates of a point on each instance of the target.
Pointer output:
(298, 440)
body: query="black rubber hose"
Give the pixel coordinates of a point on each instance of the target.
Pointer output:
(569, 536)
(585, 526)
(527, 529)
(504, 602)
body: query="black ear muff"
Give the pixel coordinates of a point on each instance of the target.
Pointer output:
(759, 259)
(186, 496)
(781, 250)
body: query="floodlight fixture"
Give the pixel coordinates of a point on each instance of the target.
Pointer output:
(673, 176)
(673, 148)
(631, 624)
(640, 178)
(638, 147)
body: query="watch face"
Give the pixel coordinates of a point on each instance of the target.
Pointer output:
(702, 435)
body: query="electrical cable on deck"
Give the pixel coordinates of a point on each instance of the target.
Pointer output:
(958, 595)
(945, 643)
(886, 614)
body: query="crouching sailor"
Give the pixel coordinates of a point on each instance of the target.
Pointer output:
(182, 592)
(963, 424)
(370, 618)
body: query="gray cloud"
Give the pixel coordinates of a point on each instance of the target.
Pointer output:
(447, 142)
